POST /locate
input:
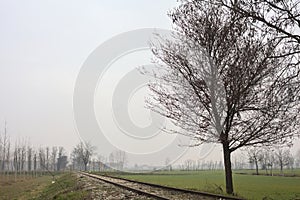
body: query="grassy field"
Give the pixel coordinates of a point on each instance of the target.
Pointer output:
(275, 172)
(245, 185)
(66, 187)
(22, 187)
(41, 188)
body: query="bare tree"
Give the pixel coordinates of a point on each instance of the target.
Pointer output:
(271, 161)
(120, 159)
(7, 160)
(47, 157)
(17, 158)
(282, 17)
(291, 162)
(188, 164)
(23, 156)
(29, 158)
(35, 163)
(297, 158)
(4, 141)
(5, 151)
(168, 164)
(111, 158)
(267, 158)
(53, 158)
(283, 158)
(82, 154)
(223, 81)
(42, 160)
(264, 160)
(77, 162)
(254, 156)
(101, 160)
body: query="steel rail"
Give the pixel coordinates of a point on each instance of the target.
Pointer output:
(167, 188)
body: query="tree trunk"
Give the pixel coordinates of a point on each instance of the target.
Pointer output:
(228, 171)
(271, 170)
(256, 165)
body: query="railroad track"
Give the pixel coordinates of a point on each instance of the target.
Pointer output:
(157, 191)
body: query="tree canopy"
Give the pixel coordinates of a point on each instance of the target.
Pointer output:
(224, 79)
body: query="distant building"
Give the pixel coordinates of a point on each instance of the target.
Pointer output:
(62, 163)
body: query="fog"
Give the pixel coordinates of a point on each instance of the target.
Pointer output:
(44, 45)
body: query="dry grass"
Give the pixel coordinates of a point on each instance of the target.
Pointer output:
(21, 187)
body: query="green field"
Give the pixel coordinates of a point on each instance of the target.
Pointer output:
(275, 172)
(245, 185)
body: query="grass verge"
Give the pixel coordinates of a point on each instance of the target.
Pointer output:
(22, 187)
(66, 187)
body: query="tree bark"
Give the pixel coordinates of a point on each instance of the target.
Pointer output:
(256, 165)
(228, 171)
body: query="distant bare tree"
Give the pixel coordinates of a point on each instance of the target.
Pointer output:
(42, 159)
(61, 151)
(82, 153)
(16, 158)
(291, 162)
(23, 156)
(297, 158)
(47, 158)
(7, 160)
(29, 158)
(168, 164)
(271, 161)
(264, 161)
(267, 159)
(120, 159)
(283, 158)
(4, 141)
(101, 160)
(111, 158)
(223, 81)
(188, 164)
(53, 158)
(35, 163)
(254, 156)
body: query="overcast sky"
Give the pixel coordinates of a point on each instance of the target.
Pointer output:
(43, 45)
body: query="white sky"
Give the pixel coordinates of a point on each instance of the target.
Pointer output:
(42, 47)
(43, 44)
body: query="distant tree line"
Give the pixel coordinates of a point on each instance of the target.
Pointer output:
(273, 158)
(266, 159)
(83, 157)
(20, 157)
